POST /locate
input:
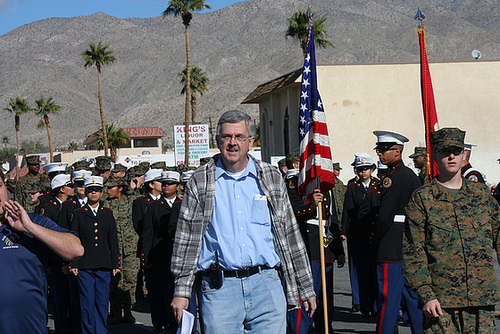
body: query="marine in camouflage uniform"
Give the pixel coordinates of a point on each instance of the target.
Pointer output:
(30, 184)
(419, 157)
(123, 285)
(339, 190)
(448, 247)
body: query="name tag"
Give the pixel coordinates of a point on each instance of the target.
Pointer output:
(399, 218)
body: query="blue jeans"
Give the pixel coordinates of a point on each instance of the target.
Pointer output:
(254, 304)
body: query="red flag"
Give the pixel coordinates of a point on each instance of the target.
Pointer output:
(429, 106)
(315, 154)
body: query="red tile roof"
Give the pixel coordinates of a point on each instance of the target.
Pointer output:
(144, 132)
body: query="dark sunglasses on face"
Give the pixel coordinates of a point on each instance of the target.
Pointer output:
(93, 189)
(168, 183)
(383, 149)
(449, 150)
(362, 169)
(79, 184)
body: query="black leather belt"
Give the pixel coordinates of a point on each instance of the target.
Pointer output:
(243, 272)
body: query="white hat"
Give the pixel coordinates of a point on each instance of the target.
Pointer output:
(79, 175)
(362, 159)
(381, 165)
(187, 175)
(387, 136)
(60, 180)
(55, 167)
(170, 176)
(468, 146)
(93, 181)
(152, 174)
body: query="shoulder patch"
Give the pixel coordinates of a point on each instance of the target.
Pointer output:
(387, 182)
(473, 178)
(291, 184)
(42, 211)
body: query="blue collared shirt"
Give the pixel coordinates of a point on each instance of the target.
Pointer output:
(240, 226)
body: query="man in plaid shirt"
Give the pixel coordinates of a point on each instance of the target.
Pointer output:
(237, 235)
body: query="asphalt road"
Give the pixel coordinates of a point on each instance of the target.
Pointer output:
(344, 321)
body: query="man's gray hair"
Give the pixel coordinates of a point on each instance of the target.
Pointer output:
(236, 116)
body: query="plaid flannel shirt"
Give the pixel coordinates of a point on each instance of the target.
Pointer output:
(196, 211)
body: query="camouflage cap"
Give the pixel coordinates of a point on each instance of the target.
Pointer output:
(182, 168)
(81, 164)
(119, 168)
(142, 168)
(418, 151)
(282, 162)
(33, 160)
(447, 137)
(159, 165)
(116, 182)
(102, 163)
(336, 166)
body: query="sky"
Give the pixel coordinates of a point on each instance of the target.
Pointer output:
(16, 13)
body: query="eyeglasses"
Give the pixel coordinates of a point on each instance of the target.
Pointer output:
(451, 150)
(384, 149)
(239, 138)
(362, 169)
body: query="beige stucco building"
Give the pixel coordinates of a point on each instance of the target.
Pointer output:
(361, 98)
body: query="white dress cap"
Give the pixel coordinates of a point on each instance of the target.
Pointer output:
(79, 175)
(363, 159)
(55, 167)
(187, 175)
(387, 136)
(93, 181)
(468, 146)
(170, 176)
(60, 180)
(152, 174)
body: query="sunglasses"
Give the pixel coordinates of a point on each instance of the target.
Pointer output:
(451, 150)
(362, 169)
(93, 189)
(383, 149)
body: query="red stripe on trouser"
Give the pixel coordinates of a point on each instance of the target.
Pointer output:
(384, 294)
(299, 315)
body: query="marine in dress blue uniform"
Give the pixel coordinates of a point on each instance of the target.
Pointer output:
(96, 227)
(469, 172)
(397, 187)
(361, 206)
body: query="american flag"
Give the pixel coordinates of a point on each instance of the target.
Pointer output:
(315, 154)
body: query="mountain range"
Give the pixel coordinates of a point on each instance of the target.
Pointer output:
(239, 47)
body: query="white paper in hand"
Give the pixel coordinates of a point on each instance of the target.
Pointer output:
(187, 323)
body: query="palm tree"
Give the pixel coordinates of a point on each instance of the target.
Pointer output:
(116, 137)
(18, 107)
(99, 55)
(43, 109)
(199, 82)
(298, 28)
(184, 9)
(73, 146)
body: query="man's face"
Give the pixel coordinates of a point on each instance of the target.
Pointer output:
(34, 169)
(419, 161)
(170, 189)
(93, 194)
(119, 174)
(450, 160)
(4, 197)
(113, 192)
(336, 172)
(234, 143)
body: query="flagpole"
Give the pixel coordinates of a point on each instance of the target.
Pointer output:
(322, 262)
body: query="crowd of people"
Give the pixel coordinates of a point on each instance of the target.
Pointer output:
(235, 243)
